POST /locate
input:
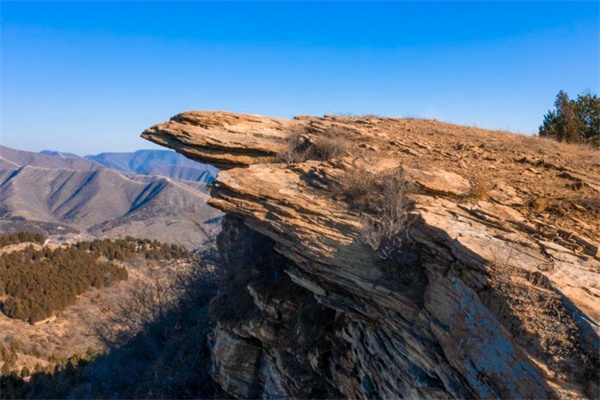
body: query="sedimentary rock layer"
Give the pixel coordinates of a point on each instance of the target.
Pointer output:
(495, 291)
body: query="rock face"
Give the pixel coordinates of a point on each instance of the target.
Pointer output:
(487, 297)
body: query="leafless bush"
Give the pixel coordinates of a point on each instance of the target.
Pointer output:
(330, 145)
(382, 202)
(157, 339)
(147, 302)
(481, 190)
(359, 187)
(384, 231)
(297, 148)
(326, 146)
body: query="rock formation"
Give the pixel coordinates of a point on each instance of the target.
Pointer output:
(494, 292)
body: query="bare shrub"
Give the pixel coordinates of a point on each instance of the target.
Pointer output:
(151, 301)
(359, 188)
(383, 232)
(297, 148)
(381, 200)
(481, 190)
(330, 145)
(147, 302)
(157, 341)
(326, 146)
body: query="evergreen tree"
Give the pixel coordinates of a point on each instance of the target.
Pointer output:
(573, 121)
(587, 108)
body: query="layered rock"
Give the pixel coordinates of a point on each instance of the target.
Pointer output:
(488, 297)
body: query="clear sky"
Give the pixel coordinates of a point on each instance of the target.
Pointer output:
(88, 77)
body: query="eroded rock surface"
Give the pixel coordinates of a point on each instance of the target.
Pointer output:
(488, 297)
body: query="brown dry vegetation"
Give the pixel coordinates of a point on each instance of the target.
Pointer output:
(566, 176)
(380, 198)
(330, 144)
(481, 190)
(562, 176)
(539, 322)
(156, 332)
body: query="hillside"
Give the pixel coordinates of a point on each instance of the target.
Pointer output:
(68, 298)
(42, 191)
(483, 282)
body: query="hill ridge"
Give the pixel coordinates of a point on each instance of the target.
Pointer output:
(89, 197)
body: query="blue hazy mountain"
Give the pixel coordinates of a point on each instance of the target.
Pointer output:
(59, 154)
(156, 162)
(168, 203)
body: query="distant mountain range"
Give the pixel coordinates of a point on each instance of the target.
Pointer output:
(152, 194)
(149, 162)
(11, 158)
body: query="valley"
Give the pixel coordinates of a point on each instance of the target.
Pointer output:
(39, 342)
(148, 194)
(83, 212)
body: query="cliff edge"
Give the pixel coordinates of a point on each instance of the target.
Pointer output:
(492, 291)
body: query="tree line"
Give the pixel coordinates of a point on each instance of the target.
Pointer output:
(21, 237)
(37, 283)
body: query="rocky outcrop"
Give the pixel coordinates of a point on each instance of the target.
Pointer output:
(487, 297)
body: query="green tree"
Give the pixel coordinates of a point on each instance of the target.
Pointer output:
(573, 121)
(587, 108)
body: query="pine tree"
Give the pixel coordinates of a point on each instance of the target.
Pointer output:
(573, 121)
(566, 120)
(587, 108)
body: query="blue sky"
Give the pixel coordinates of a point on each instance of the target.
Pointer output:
(88, 77)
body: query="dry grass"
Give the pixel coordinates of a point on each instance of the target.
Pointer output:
(481, 190)
(592, 203)
(359, 188)
(381, 200)
(538, 320)
(297, 148)
(544, 327)
(384, 232)
(355, 115)
(328, 145)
